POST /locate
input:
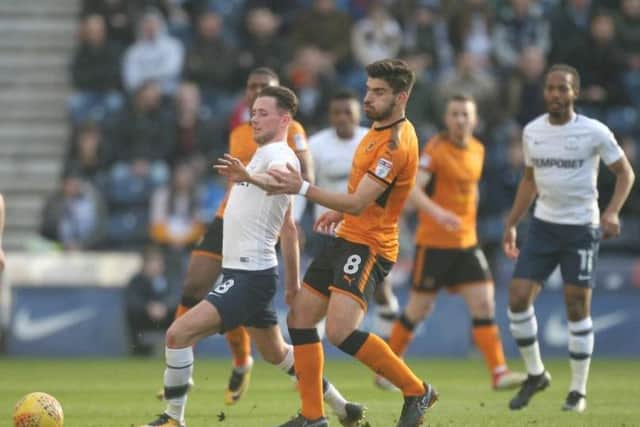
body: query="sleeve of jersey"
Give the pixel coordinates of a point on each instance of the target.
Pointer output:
(608, 148)
(386, 165)
(525, 149)
(297, 137)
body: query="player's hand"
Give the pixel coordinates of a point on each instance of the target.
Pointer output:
(610, 225)
(232, 168)
(327, 222)
(449, 220)
(509, 242)
(288, 181)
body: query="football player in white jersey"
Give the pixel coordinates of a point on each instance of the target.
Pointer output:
(562, 152)
(253, 222)
(332, 150)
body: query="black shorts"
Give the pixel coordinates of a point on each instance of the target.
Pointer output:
(211, 243)
(348, 268)
(547, 245)
(245, 298)
(435, 268)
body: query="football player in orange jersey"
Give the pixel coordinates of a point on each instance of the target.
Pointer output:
(205, 263)
(447, 252)
(341, 279)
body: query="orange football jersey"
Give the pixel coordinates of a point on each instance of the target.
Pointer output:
(243, 146)
(390, 156)
(455, 173)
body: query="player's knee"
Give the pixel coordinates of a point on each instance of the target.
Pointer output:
(518, 301)
(576, 308)
(335, 333)
(173, 336)
(483, 308)
(273, 356)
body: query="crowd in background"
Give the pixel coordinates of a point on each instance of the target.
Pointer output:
(158, 85)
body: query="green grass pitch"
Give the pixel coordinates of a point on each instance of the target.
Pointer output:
(104, 393)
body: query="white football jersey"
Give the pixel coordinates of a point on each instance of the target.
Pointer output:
(332, 158)
(565, 160)
(252, 219)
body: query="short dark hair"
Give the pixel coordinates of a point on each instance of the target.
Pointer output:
(344, 95)
(285, 98)
(566, 69)
(265, 71)
(460, 97)
(393, 71)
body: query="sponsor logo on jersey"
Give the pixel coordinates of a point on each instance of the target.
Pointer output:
(383, 168)
(549, 162)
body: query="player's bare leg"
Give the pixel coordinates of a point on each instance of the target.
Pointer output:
(581, 339)
(524, 329)
(418, 308)
(202, 271)
(276, 351)
(479, 297)
(199, 322)
(344, 315)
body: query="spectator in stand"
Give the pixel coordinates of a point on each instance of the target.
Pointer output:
(74, 216)
(89, 154)
(261, 43)
(426, 34)
(146, 129)
(311, 76)
(155, 55)
(199, 135)
(469, 78)
(95, 73)
(569, 27)
(175, 220)
(150, 301)
(376, 36)
(121, 15)
(523, 88)
(628, 36)
(519, 26)
(601, 65)
(421, 107)
(210, 63)
(470, 29)
(327, 28)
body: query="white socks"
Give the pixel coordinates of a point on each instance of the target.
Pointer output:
(581, 340)
(524, 329)
(385, 315)
(176, 380)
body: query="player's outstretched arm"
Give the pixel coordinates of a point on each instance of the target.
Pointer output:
(444, 217)
(291, 255)
(307, 167)
(235, 171)
(291, 182)
(610, 222)
(524, 197)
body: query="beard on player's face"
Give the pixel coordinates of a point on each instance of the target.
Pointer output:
(380, 115)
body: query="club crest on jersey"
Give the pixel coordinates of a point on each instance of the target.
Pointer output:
(370, 147)
(383, 168)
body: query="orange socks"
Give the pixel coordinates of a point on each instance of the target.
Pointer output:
(240, 345)
(401, 335)
(374, 352)
(309, 363)
(487, 338)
